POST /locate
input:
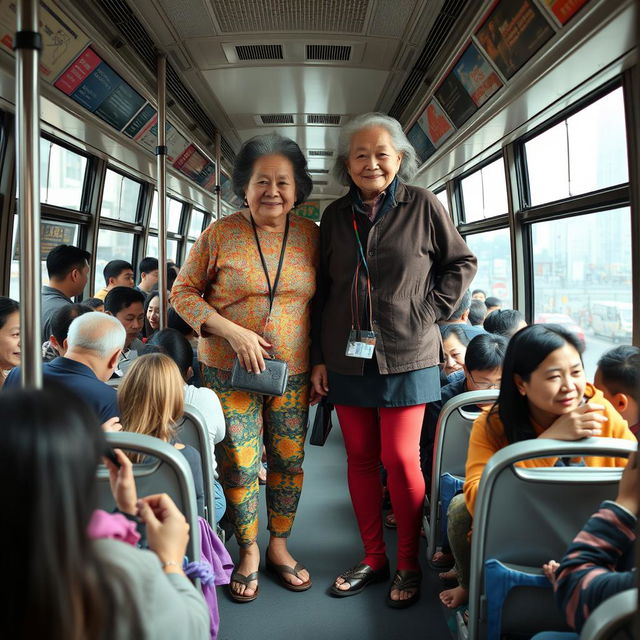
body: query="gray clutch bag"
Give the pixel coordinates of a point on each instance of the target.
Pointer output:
(271, 382)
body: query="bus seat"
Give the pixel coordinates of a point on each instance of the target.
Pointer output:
(192, 430)
(611, 616)
(450, 457)
(167, 472)
(524, 517)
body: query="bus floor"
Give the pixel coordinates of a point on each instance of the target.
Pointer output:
(325, 539)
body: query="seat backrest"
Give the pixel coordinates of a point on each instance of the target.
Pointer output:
(167, 471)
(610, 616)
(525, 516)
(192, 430)
(450, 456)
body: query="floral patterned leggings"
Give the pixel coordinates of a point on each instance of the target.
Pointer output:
(282, 422)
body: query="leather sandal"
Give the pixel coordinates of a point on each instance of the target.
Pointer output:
(281, 569)
(442, 560)
(405, 580)
(390, 521)
(245, 580)
(358, 578)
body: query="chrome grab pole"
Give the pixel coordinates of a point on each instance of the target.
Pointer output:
(27, 46)
(218, 176)
(161, 154)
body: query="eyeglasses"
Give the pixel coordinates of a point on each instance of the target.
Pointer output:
(484, 386)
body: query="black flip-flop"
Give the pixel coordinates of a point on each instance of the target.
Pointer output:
(281, 569)
(358, 578)
(245, 580)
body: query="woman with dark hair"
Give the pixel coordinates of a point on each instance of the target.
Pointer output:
(64, 584)
(151, 314)
(392, 264)
(504, 322)
(454, 344)
(246, 289)
(9, 336)
(543, 394)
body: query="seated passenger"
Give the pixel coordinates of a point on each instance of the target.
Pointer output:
(94, 344)
(151, 314)
(477, 313)
(543, 394)
(117, 273)
(9, 337)
(175, 321)
(478, 294)
(66, 582)
(618, 377)
(460, 317)
(177, 347)
(454, 343)
(68, 269)
(152, 401)
(60, 323)
(94, 303)
(492, 303)
(127, 305)
(504, 322)
(148, 269)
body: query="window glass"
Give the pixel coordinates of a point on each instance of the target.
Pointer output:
(195, 225)
(61, 175)
(190, 244)
(442, 196)
(493, 251)
(112, 245)
(120, 197)
(174, 212)
(51, 235)
(585, 152)
(152, 248)
(484, 192)
(582, 278)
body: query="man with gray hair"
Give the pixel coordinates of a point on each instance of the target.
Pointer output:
(94, 344)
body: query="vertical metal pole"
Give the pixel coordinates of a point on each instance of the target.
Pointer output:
(218, 177)
(161, 153)
(27, 45)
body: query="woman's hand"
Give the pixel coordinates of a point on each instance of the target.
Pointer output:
(167, 529)
(583, 422)
(319, 383)
(628, 488)
(249, 346)
(112, 424)
(123, 484)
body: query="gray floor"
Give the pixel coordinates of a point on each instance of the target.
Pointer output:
(325, 539)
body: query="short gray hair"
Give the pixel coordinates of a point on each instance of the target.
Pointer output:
(266, 145)
(97, 332)
(409, 164)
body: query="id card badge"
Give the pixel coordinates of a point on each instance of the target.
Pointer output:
(361, 344)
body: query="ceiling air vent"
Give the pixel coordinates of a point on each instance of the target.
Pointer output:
(319, 170)
(323, 118)
(328, 52)
(320, 183)
(259, 52)
(319, 153)
(277, 118)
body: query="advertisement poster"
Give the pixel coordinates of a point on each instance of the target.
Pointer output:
(92, 83)
(142, 118)
(62, 40)
(455, 100)
(418, 138)
(476, 75)
(51, 235)
(435, 123)
(564, 10)
(512, 33)
(148, 138)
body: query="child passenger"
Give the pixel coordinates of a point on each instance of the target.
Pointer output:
(543, 394)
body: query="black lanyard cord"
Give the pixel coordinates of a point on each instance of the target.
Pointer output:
(272, 290)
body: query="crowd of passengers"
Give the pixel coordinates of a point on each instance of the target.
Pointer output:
(371, 311)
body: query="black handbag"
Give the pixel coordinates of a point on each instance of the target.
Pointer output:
(270, 382)
(321, 423)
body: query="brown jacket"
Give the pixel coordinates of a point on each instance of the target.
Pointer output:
(420, 267)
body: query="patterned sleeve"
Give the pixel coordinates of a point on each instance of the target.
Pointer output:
(587, 574)
(196, 274)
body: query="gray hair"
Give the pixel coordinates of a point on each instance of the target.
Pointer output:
(409, 164)
(266, 145)
(97, 332)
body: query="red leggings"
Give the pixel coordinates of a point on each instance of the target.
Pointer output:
(390, 435)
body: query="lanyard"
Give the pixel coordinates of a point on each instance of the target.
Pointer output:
(355, 311)
(272, 290)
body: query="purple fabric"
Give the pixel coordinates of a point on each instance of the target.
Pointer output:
(215, 569)
(112, 525)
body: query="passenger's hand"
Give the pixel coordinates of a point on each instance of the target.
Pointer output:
(250, 348)
(582, 422)
(112, 424)
(319, 383)
(628, 489)
(549, 571)
(167, 529)
(123, 484)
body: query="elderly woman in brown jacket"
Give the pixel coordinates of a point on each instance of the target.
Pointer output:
(392, 266)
